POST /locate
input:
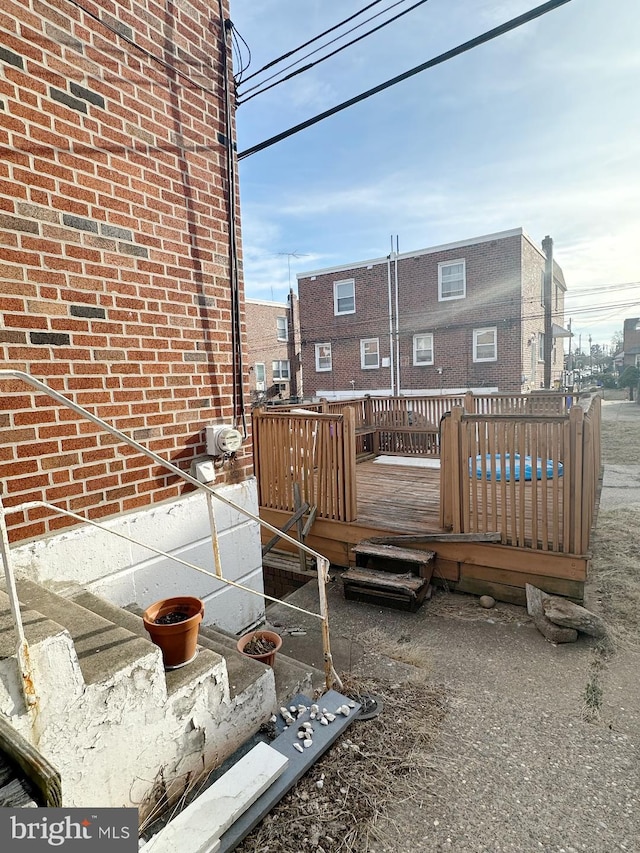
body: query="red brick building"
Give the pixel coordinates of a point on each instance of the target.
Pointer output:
(273, 341)
(465, 315)
(119, 268)
(631, 342)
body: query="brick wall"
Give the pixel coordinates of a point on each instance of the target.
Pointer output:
(264, 346)
(114, 273)
(493, 270)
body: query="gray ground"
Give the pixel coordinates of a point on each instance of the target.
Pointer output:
(539, 747)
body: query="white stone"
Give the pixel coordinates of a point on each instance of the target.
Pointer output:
(198, 828)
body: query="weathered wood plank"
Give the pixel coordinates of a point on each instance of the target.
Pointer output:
(418, 538)
(35, 767)
(406, 582)
(391, 552)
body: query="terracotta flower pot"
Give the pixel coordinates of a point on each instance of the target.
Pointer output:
(267, 657)
(178, 640)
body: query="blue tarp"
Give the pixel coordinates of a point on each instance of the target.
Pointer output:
(511, 467)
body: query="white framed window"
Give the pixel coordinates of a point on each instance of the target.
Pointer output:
(452, 280)
(280, 369)
(485, 346)
(344, 296)
(323, 358)
(370, 353)
(259, 373)
(422, 349)
(541, 346)
(282, 327)
(542, 288)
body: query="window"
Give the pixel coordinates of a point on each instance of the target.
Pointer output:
(369, 353)
(344, 297)
(323, 357)
(540, 346)
(282, 325)
(422, 349)
(485, 344)
(452, 282)
(280, 369)
(259, 373)
(542, 288)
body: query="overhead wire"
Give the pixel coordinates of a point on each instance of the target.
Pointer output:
(315, 38)
(485, 37)
(262, 88)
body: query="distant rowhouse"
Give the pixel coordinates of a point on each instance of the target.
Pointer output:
(483, 313)
(273, 336)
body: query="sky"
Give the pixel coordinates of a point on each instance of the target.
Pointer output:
(539, 128)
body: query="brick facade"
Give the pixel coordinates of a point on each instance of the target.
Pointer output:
(631, 342)
(115, 264)
(267, 343)
(501, 273)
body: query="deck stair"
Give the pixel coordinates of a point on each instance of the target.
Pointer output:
(389, 575)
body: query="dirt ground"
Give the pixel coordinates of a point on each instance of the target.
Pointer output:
(491, 739)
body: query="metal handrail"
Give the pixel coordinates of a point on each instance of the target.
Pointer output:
(322, 562)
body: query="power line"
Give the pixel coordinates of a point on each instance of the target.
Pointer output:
(314, 333)
(311, 41)
(512, 24)
(262, 88)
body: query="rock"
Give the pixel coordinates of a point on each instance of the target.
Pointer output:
(552, 632)
(487, 601)
(563, 612)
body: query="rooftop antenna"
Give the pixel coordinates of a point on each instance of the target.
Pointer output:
(289, 256)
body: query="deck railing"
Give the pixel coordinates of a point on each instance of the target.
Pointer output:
(315, 452)
(485, 484)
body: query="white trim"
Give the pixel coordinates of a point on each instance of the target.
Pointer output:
(280, 377)
(350, 281)
(286, 328)
(251, 301)
(317, 358)
(363, 343)
(452, 263)
(417, 363)
(476, 333)
(444, 247)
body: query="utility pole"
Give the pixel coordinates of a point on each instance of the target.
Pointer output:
(547, 248)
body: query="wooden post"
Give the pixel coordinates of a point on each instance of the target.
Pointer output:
(349, 466)
(469, 404)
(456, 473)
(576, 424)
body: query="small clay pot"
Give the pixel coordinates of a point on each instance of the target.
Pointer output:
(268, 657)
(178, 641)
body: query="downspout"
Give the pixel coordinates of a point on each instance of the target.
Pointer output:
(391, 358)
(395, 263)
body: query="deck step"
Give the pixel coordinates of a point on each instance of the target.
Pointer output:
(392, 558)
(404, 591)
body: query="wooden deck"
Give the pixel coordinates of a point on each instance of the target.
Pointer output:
(544, 524)
(400, 498)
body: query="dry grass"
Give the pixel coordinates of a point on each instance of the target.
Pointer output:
(621, 442)
(375, 762)
(615, 572)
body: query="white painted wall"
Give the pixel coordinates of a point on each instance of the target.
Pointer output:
(123, 572)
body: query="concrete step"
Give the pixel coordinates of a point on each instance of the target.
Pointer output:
(102, 647)
(176, 679)
(291, 676)
(37, 627)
